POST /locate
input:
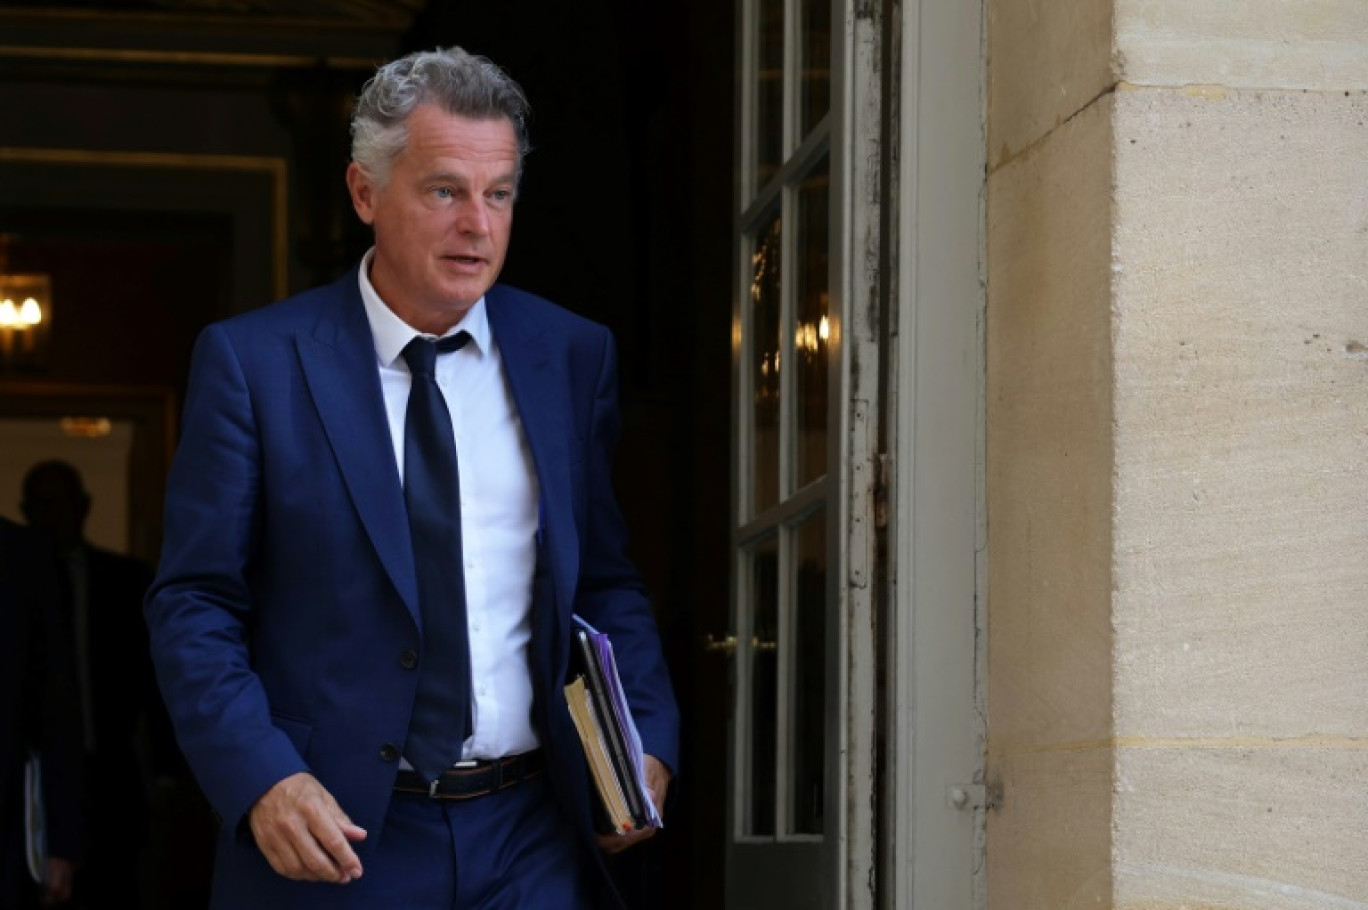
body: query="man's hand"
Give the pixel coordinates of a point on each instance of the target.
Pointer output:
(658, 782)
(57, 882)
(304, 834)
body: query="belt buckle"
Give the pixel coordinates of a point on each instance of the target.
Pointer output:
(436, 781)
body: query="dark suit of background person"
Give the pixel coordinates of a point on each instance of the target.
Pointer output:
(125, 735)
(38, 710)
(285, 617)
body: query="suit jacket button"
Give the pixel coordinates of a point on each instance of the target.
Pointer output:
(409, 659)
(388, 752)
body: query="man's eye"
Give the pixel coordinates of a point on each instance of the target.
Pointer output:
(502, 195)
(442, 192)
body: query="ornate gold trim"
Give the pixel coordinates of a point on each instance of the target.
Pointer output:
(277, 169)
(182, 58)
(391, 20)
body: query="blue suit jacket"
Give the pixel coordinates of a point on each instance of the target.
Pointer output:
(286, 594)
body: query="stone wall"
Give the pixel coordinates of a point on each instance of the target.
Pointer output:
(1178, 454)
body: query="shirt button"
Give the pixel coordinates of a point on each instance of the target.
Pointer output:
(389, 753)
(408, 660)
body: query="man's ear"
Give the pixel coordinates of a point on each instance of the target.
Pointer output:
(362, 189)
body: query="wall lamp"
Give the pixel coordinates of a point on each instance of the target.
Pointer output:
(25, 321)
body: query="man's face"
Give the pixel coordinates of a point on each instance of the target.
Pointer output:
(443, 218)
(55, 506)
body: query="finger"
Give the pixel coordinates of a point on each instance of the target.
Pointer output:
(657, 781)
(335, 838)
(304, 834)
(282, 856)
(294, 852)
(616, 843)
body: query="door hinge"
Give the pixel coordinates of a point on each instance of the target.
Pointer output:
(975, 796)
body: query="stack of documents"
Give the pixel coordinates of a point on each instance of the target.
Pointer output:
(608, 733)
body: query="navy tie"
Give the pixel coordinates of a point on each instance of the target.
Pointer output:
(432, 494)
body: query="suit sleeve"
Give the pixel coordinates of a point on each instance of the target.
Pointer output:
(611, 595)
(199, 609)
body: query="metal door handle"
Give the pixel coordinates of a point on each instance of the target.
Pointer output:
(725, 645)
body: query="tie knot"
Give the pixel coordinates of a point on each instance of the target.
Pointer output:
(421, 353)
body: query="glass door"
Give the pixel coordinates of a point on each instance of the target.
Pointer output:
(783, 557)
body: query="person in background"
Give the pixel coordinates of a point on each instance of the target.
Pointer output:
(124, 729)
(390, 497)
(38, 715)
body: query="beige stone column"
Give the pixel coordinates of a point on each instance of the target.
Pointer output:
(1177, 477)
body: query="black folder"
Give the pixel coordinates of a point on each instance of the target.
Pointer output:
(625, 791)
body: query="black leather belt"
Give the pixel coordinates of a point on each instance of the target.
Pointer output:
(468, 780)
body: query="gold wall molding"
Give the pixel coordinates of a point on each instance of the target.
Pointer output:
(395, 16)
(277, 169)
(183, 58)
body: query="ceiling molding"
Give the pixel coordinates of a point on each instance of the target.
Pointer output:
(337, 34)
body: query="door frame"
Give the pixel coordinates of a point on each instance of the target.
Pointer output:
(151, 411)
(933, 831)
(905, 754)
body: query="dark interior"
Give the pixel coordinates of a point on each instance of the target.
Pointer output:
(170, 162)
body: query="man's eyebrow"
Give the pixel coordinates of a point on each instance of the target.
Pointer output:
(463, 179)
(446, 177)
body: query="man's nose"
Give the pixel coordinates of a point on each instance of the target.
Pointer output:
(473, 217)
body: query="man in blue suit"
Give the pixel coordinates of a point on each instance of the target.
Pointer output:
(302, 644)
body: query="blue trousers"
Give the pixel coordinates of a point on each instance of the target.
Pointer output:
(511, 850)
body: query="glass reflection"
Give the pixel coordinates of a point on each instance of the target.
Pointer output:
(808, 685)
(814, 67)
(769, 89)
(764, 367)
(812, 331)
(764, 679)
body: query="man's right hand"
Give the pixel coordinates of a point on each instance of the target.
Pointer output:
(304, 834)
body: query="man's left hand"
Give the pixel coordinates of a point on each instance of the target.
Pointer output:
(658, 782)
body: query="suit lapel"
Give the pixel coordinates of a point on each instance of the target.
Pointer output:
(541, 393)
(338, 357)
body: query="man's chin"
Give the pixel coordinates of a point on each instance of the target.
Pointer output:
(466, 292)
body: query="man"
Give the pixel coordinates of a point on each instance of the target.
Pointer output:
(38, 713)
(307, 615)
(121, 716)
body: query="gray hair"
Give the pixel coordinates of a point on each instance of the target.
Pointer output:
(459, 82)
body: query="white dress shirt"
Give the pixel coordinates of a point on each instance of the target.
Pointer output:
(499, 514)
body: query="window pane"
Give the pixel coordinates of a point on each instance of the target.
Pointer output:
(764, 367)
(769, 89)
(814, 68)
(809, 675)
(764, 680)
(811, 332)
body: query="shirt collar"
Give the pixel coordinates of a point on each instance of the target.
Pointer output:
(391, 334)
